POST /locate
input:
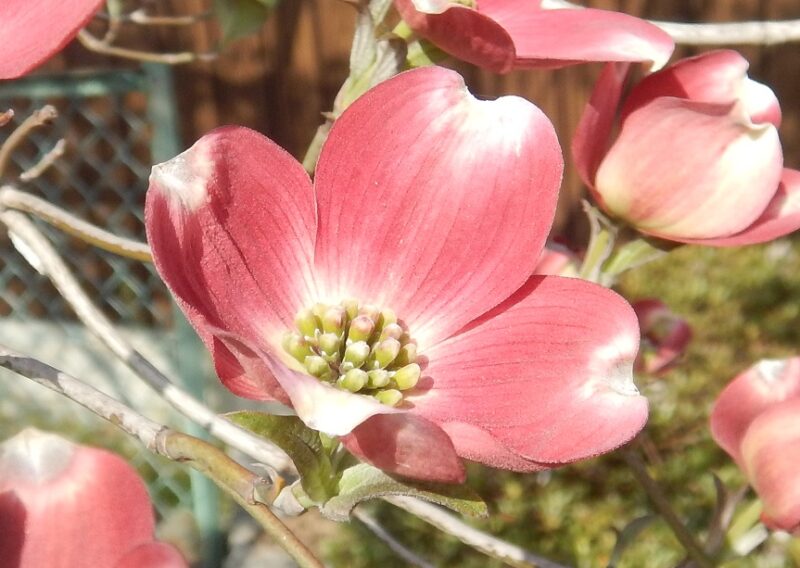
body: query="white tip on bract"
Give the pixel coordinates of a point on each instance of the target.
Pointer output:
(184, 178)
(432, 6)
(35, 456)
(770, 370)
(612, 367)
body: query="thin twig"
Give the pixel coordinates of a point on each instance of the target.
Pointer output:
(54, 267)
(485, 543)
(99, 46)
(13, 198)
(693, 548)
(389, 540)
(730, 33)
(36, 119)
(142, 18)
(237, 481)
(45, 162)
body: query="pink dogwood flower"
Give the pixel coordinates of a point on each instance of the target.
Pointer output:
(503, 35)
(697, 158)
(391, 303)
(31, 31)
(558, 260)
(755, 421)
(665, 336)
(63, 505)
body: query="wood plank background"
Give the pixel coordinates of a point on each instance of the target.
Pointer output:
(280, 80)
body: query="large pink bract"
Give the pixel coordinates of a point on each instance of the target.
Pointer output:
(697, 157)
(502, 35)
(31, 31)
(436, 205)
(63, 505)
(755, 420)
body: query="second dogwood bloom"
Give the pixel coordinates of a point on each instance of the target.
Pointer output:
(755, 420)
(392, 303)
(697, 158)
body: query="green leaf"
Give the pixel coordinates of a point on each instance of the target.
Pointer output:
(363, 482)
(239, 18)
(627, 536)
(301, 443)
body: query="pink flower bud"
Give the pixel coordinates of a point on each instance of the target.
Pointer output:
(665, 336)
(697, 157)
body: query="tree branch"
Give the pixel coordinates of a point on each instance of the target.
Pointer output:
(485, 543)
(237, 481)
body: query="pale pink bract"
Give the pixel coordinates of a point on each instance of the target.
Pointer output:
(436, 205)
(31, 31)
(503, 35)
(697, 157)
(64, 505)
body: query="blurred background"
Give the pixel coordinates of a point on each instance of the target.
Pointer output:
(119, 117)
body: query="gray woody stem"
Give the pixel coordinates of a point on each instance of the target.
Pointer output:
(238, 482)
(485, 543)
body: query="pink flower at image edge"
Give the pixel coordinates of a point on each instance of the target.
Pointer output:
(65, 505)
(502, 35)
(31, 31)
(403, 215)
(755, 420)
(697, 158)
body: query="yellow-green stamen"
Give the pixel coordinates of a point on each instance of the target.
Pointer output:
(359, 348)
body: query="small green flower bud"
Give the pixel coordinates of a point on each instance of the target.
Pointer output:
(389, 397)
(307, 322)
(296, 346)
(329, 343)
(377, 378)
(391, 330)
(388, 317)
(351, 307)
(407, 377)
(407, 355)
(317, 366)
(319, 310)
(356, 353)
(353, 380)
(371, 311)
(360, 329)
(385, 352)
(334, 320)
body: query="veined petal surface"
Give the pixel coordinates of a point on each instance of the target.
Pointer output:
(555, 38)
(549, 374)
(33, 30)
(434, 203)
(231, 223)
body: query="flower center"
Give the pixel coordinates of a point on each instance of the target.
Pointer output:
(359, 348)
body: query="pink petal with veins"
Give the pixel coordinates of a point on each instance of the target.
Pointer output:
(547, 382)
(399, 230)
(31, 31)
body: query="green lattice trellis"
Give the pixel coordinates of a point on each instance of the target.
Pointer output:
(115, 124)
